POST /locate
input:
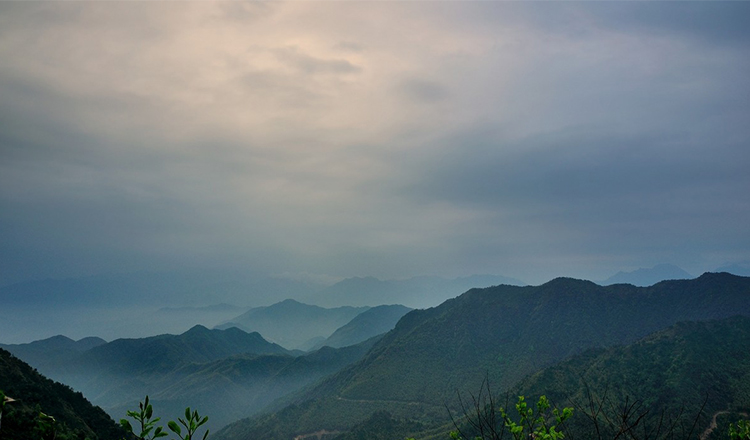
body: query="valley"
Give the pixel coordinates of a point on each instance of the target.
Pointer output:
(408, 365)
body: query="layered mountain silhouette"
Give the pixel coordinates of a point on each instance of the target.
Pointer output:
(292, 324)
(229, 371)
(502, 333)
(373, 322)
(647, 277)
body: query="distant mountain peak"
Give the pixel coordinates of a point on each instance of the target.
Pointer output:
(197, 329)
(567, 282)
(644, 277)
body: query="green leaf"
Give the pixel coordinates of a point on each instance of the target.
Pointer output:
(126, 425)
(175, 427)
(187, 413)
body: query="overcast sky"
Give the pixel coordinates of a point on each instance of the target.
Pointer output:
(390, 139)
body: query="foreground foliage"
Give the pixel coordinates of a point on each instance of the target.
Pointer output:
(149, 430)
(544, 426)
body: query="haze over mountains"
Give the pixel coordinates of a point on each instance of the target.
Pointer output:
(505, 332)
(501, 333)
(145, 304)
(323, 219)
(293, 324)
(646, 277)
(236, 372)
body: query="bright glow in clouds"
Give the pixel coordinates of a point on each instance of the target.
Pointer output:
(391, 139)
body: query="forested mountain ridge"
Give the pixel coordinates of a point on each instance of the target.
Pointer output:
(673, 370)
(503, 332)
(74, 415)
(684, 376)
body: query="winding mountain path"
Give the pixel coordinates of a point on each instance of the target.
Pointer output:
(712, 426)
(318, 435)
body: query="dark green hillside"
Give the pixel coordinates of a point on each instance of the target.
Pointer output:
(373, 322)
(668, 370)
(507, 333)
(76, 417)
(293, 324)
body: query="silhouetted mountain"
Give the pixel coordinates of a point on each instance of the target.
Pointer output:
(166, 352)
(245, 384)
(125, 305)
(229, 371)
(292, 324)
(373, 322)
(648, 277)
(125, 370)
(75, 416)
(417, 292)
(51, 352)
(503, 332)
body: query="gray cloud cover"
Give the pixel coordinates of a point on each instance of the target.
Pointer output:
(389, 139)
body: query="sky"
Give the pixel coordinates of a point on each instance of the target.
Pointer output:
(391, 139)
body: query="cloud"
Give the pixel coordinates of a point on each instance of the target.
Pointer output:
(312, 65)
(387, 139)
(423, 90)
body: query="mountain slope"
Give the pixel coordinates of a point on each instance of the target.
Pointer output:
(373, 322)
(503, 332)
(74, 415)
(676, 367)
(292, 324)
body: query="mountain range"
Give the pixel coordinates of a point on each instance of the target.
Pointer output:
(401, 383)
(503, 334)
(292, 324)
(647, 277)
(230, 371)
